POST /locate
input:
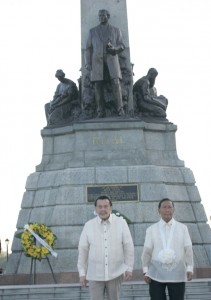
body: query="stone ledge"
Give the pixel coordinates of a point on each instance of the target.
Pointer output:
(73, 278)
(108, 124)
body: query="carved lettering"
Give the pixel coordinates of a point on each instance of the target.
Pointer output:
(107, 140)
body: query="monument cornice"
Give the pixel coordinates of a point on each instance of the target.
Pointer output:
(108, 124)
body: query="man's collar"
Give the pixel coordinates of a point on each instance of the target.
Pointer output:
(99, 220)
(169, 222)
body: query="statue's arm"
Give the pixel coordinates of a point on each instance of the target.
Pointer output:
(88, 52)
(73, 91)
(146, 92)
(119, 45)
(56, 94)
(145, 88)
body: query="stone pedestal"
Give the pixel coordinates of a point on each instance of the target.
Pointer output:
(108, 153)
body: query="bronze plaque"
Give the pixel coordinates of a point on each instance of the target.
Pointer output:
(120, 192)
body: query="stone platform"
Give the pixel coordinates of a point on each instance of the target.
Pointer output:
(108, 153)
(132, 290)
(109, 143)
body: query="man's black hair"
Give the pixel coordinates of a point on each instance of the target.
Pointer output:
(103, 197)
(163, 200)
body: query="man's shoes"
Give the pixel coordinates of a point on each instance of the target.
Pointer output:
(121, 112)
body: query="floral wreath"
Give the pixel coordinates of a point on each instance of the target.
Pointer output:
(28, 241)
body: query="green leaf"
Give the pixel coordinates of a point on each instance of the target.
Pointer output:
(18, 235)
(118, 214)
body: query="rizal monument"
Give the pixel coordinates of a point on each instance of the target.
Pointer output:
(106, 135)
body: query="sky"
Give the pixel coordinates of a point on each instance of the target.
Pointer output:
(37, 37)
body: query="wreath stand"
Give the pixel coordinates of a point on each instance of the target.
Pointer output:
(33, 268)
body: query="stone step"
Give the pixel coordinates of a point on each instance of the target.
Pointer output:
(199, 289)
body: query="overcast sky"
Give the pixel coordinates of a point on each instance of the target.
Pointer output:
(40, 36)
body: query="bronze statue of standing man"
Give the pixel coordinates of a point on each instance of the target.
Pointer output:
(101, 59)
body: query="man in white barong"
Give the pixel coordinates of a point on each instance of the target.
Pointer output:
(106, 252)
(167, 257)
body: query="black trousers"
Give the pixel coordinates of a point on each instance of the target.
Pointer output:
(157, 290)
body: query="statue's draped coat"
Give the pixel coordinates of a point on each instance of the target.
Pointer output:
(96, 55)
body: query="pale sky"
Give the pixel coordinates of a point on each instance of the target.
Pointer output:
(40, 36)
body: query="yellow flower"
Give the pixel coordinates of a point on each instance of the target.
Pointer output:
(29, 242)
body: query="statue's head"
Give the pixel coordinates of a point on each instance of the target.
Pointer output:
(103, 15)
(59, 74)
(151, 75)
(152, 72)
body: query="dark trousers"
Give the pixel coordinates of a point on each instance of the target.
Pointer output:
(157, 290)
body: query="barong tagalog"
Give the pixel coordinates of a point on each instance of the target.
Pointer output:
(167, 256)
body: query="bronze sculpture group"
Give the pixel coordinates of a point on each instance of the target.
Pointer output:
(105, 86)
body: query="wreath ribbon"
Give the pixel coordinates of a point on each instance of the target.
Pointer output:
(41, 241)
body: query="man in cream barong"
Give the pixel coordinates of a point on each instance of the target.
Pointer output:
(167, 257)
(106, 252)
